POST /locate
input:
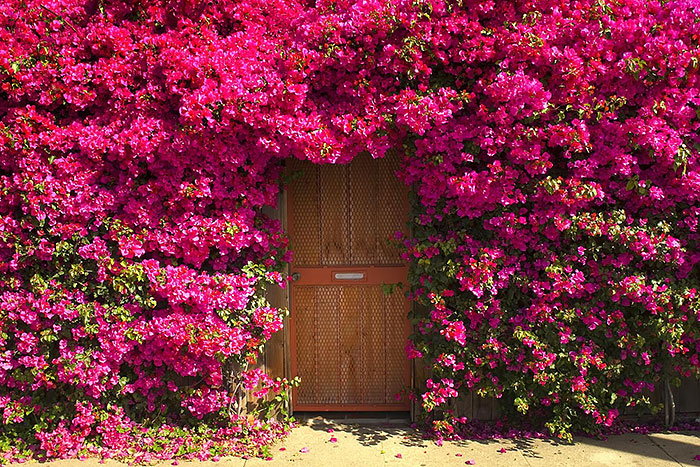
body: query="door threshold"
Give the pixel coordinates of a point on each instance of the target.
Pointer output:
(351, 418)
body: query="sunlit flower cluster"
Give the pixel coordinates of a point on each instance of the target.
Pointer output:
(552, 148)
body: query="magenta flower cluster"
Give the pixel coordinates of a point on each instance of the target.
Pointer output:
(133, 253)
(555, 243)
(552, 148)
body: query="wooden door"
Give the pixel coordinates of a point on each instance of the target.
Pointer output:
(347, 333)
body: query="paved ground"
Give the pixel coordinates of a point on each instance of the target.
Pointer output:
(379, 444)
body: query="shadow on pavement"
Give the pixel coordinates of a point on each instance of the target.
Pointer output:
(370, 429)
(373, 429)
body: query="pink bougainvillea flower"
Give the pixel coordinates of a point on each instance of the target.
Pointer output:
(304, 450)
(398, 456)
(502, 450)
(330, 430)
(551, 148)
(470, 462)
(333, 439)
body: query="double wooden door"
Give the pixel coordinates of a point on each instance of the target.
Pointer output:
(348, 329)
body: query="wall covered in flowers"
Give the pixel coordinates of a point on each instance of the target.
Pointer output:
(553, 148)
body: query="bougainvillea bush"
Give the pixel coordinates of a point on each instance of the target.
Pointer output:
(552, 147)
(558, 180)
(133, 257)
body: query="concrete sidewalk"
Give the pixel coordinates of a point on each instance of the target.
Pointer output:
(367, 445)
(379, 444)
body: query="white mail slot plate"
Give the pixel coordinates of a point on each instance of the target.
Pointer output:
(349, 276)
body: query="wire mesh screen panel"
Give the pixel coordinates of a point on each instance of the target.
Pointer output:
(348, 336)
(305, 311)
(362, 184)
(347, 215)
(333, 211)
(390, 211)
(356, 356)
(307, 231)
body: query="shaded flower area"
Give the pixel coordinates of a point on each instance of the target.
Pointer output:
(552, 148)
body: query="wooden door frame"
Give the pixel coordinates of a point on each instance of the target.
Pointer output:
(286, 200)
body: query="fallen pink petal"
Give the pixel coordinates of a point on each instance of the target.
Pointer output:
(399, 456)
(333, 439)
(502, 450)
(470, 462)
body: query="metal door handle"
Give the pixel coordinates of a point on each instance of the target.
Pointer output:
(349, 276)
(296, 276)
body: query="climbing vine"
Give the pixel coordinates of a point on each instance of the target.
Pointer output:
(552, 147)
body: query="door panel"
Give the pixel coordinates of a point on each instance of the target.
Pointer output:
(334, 215)
(391, 211)
(305, 327)
(326, 345)
(374, 357)
(350, 346)
(347, 335)
(363, 189)
(307, 232)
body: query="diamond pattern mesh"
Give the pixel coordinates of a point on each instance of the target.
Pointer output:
(395, 330)
(355, 355)
(305, 326)
(326, 344)
(374, 357)
(349, 338)
(307, 230)
(360, 206)
(335, 248)
(390, 210)
(363, 202)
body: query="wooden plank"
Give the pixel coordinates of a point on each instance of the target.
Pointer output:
(687, 396)
(464, 406)
(282, 209)
(305, 309)
(327, 345)
(335, 242)
(395, 342)
(391, 210)
(421, 373)
(496, 411)
(482, 408)
(304, 223)
(373, 350)
(352, 408)
(351, 370)
(274, 347)
(363, 203)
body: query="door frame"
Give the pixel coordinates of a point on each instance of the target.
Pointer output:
(312, 276)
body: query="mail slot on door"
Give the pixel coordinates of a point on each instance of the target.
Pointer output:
(349, 276)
